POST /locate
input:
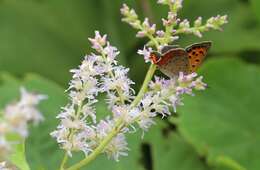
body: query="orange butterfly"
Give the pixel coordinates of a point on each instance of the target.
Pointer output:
(174, 59)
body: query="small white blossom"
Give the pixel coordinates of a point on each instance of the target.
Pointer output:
(216, 22)
(160, 33)
(175, 4)
(198, 22)
(146, 53)
(171, 19)
(5, 147)
(18, 115)
(99, 41)
(130, 17)
(117, 147)
(148, 29)
(185, 26)
(3, 166)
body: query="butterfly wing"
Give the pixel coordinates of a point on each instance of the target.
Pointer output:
(174, 61)
(197, 53)
(166, 48)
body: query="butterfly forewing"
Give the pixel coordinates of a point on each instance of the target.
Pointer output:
(174, 61)
(167, 48)
(196, 54)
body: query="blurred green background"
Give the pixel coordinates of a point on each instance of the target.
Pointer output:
(41, 40)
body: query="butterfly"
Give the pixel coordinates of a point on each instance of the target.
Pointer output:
(174, 59)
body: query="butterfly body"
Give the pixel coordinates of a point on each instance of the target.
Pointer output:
(174, 59)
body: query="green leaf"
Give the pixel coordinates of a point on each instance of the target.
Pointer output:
(223, 121)
(50, 37)
(255, 6)
(18, 156)
(40, 145)
(171, 151)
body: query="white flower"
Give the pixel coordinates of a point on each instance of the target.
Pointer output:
(3, 166)
(198, 22)
(117, 147)
(171, 19)
(99, 41)
(147, 29)
(216, 22)
(111, 53)
(19, 114)
(185, 26)
(30, 99)
(176, 4)
(5, 147)
(160, 33)
(130, 16)
(146, 52)
(198, 84)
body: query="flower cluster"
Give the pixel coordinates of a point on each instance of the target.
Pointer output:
(3, 166)
(16, 117)
(173, 25)
(98, 73)
(198, 27)
(165, 94)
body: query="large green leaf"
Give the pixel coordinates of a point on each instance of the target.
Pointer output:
(256, 6)
(223, 121)
(18, 156)
(170, 151)
(50, 36)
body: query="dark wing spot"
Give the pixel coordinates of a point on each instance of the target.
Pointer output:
(193, 53)
(197, 54)
(201, 52)
(153, 110)
(189, 56)
(197, 60)
(193, 65)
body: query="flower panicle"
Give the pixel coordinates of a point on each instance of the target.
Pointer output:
(79, 129)
(16, 118)
(173, 26)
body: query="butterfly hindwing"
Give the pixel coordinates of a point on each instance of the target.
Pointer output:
(174, 61)
(196, 53)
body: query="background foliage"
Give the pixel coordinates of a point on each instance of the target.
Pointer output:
(216, 130)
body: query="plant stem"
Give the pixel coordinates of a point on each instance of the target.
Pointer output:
(64, 160)
(143, 89)
(119, 124)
